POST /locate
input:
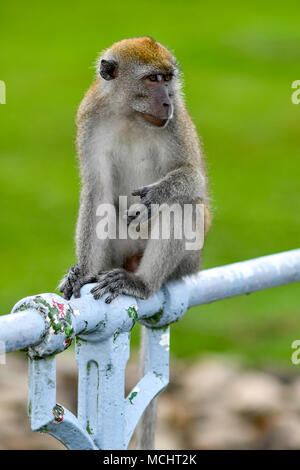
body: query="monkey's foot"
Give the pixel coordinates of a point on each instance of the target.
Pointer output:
(73, 281)
(117, 282)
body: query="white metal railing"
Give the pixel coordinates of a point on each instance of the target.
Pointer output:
(47, 324)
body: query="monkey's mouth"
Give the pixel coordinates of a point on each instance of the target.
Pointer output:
(156, 121)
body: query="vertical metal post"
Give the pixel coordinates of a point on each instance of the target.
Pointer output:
(101, 388)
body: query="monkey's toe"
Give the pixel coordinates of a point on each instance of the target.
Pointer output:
(119, 282)
(109, 299)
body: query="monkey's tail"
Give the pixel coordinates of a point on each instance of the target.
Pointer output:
(145, 433)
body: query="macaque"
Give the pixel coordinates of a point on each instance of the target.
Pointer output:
(135, 139)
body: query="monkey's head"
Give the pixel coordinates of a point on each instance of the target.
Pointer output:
(141, 77)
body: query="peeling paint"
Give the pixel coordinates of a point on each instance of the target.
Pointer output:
(44, 428)
(165, 341)
(80, 340)
(108, 369)
(132, 396)
(116, 334)
(133, 313)
(156, 317)
(57, 316)
(58, 413)
(89, 431)
(101, 323)
(158, 375)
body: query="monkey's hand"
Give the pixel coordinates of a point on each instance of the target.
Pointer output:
(151, 198)
(117, 282)
(73, 281)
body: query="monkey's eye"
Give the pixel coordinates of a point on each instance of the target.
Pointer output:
(168, 77)
(152, 78)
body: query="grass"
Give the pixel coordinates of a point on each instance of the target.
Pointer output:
(239, 61)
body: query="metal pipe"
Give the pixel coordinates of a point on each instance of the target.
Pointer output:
(21, 330)
(26, 328)
(243, 277)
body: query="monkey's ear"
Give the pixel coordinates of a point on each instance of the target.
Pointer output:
(108, 69)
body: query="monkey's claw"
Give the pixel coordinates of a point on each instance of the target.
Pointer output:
(138, 214)
(149, 206)
(117, 282)
(73, 281)
(141, 192)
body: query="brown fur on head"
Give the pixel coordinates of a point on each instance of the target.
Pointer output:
(144, 50)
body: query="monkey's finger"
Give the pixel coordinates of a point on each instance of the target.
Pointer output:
(109, 299)
(76, 290)
(133, 212)
(98, 292)
(76, 269)
(66, 296)
(72, 278)
(140, 192)
(101, 274)
(66, 283)
(80, 283)
(143, 217)
(105, 273)
(100, 289)
(130, 218)
(65, 288)
(72, 275)
(110, 274)
(108, 284)
(105, 282)
(87, 279)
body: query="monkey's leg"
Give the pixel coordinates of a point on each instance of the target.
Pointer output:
(160, 258)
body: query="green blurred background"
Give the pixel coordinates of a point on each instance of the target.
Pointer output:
(239, 60)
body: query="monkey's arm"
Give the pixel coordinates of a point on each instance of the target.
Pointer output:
(184, 185)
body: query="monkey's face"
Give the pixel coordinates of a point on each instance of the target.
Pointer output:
(152, 99)
(141, 91)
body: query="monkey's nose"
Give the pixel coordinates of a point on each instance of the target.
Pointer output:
(167, 108)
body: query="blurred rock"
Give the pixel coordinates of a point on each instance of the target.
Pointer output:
(292, 396)
(207, 378)
(253, 393)
(284, 434)
(223, 431)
